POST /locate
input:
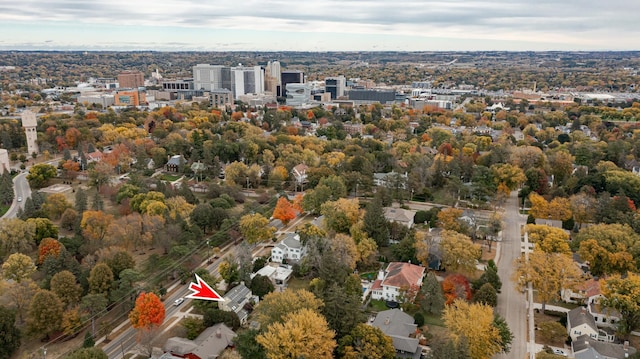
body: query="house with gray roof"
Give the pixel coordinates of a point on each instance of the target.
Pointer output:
(400, 215)
(290, 249)
(174, 163)
(208, 345)
(586, 348)
(237, 300)
(400, 327)
(580, 322)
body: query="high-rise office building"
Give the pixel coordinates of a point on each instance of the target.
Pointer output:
(131, 79)
(335, 86)
(272, 77)
(290, 77)
(211, 77)
(247, 80)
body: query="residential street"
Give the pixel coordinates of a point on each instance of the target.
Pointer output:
(511, 302)
(21, 189)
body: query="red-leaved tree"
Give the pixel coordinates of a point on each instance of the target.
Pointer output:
(148, 312)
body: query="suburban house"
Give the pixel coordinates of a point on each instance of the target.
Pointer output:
(390, 180)
(401, 328)
(400, 215)
(279, 275)
(604, 317)
(397, 278)
(299, 172)
(581, 323)
(582, 292)
(174, 163)
(95, 156)
(289, 249)
(239, 300)
(586, 348)
(208, 345)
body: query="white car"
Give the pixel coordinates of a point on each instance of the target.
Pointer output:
(178, 301)
(559, 352)
(19, 199)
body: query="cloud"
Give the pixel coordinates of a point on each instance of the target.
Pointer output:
(583, 23)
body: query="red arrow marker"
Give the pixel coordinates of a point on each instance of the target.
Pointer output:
(201, 290)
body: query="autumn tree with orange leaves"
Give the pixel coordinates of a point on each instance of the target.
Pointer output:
(48, 247)
(284, 210)
(148, 312)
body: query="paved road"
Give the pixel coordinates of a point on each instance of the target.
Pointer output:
(511, 302)
(126, 341)
(22, 190)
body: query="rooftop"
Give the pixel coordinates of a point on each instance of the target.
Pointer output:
(401, 274)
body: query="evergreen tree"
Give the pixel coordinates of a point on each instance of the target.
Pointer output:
(432, 296)
(91, 148)
(375, 223)
(88, 340)
(490, 276)
(98, 203)
(10, 338)
(6, 188)
(81, 201)
(66, 154)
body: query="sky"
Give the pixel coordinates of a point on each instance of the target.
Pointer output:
(320, 25)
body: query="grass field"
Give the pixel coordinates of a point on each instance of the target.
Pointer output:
(3, 209)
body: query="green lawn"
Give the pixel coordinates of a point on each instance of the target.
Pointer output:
(369, 275)
(377, 305)
(431, 319)
(3, 209)
(170, 178)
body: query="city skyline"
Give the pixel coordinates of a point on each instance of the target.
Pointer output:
(327, 25)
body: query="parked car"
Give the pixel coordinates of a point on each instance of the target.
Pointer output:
(19, 199)
(559, 352)
(178, 301)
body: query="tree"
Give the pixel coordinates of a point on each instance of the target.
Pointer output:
(560, 209)
(284, 210)
(95, 225)
(255, 228)
(65, 286)
(583, 208)
(623, 295)
(445, 347)
(229, 270)
(44, 228)
(539, 206)
(93, 304)
(214, 316)
(486, 295)
(475, 323)
(148, 313)
(40, 174)
(247, 345)
(490, 275)
(10, 338)
(508, 175)
(16, 236)
(19, 295)
(344, 250)
(341, 214)
(118, 261)
(18, 267)
(548, 274)
(49, 247)
(203, 216)
(341, 308)
(505, 333)
(178, 207)
(456, 286)
(303, 334)
(366, 342)
(100, 174)
(276, 305)
(431, 296)
(71, 321)
(449, 219)
(71, 169)
(459, 253)
(88, 342)
(68, 219)
(55, 205)
(81, 201)
(261, 286)
(548, 239)
(375, 223)
(45, 313)
(100, 279)
(88, 353)
(609, 248)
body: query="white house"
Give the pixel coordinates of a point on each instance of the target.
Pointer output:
(299, 172)
(396, 279)
(390, 180)
(290, 248)
(278, 274)
(580, 322)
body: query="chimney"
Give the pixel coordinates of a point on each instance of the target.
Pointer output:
(218, 333)
(387, 321)
(626, 346)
